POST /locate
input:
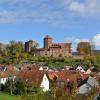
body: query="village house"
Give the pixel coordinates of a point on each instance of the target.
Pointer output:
(64, 78)
(79, 68)
(2, 67)
(45, 84)
(35, 77)
(87, 85)
(3, 77)
(88, 71)
(6, 74)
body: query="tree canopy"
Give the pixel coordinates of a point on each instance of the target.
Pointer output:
(84, 48)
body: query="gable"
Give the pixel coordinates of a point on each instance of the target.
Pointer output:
(45, 79)
(45, 83)
(80, 69)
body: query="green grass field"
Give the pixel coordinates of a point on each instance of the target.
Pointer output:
(5, 96)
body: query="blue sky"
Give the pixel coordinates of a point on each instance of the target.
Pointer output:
(65, 20)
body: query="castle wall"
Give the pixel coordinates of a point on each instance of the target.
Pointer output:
(55, 50)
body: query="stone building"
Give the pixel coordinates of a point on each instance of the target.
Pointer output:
(53, 49)
(29, 45)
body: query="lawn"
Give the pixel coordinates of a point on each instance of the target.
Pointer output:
(5, 96)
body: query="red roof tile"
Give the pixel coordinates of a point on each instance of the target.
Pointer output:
(31, 77)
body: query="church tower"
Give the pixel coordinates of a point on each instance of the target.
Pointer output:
(47, 41)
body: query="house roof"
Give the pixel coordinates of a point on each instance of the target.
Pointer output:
(4, 74)
(88, 71)
(1, 65)
(10, 71)
(92, 82)
(31, 77)
(87, 84)
(66, 76)
(96, 70)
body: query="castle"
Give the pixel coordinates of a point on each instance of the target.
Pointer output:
(53, 49)
(29, 45)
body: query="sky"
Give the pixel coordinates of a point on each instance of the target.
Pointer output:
(64, 20)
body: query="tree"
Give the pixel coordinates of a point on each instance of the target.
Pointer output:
(2, 47)
(14, 51)
(19, 46)
(84, 48)
(17, 56)
(14, 46)
(35, 47)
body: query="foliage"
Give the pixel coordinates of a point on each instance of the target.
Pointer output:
(84, 48)
(14, 54)
(13, 86)
(58, 93)
(14, 46)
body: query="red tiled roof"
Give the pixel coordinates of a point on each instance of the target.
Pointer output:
(31, 77)
(66, 75)
(1, 65)
(9, 72)
(4, 74)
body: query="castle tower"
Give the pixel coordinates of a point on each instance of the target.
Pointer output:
(47, 41)
(29, 45)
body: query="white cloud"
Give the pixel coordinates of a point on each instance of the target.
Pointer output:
(35, 11)
(81, 40)
(96, 40)
(13, 11)
(84, 7)
(77, 7)
(75, 41)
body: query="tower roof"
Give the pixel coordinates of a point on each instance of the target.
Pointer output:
(47, 37)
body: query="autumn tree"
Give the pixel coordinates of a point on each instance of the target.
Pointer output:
(34, 47)
(84, 48)
(14, 46)
(2, 47)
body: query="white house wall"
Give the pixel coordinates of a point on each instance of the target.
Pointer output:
(45, 83)
(3, 80)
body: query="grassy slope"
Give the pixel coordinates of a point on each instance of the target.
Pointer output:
(4, 96)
